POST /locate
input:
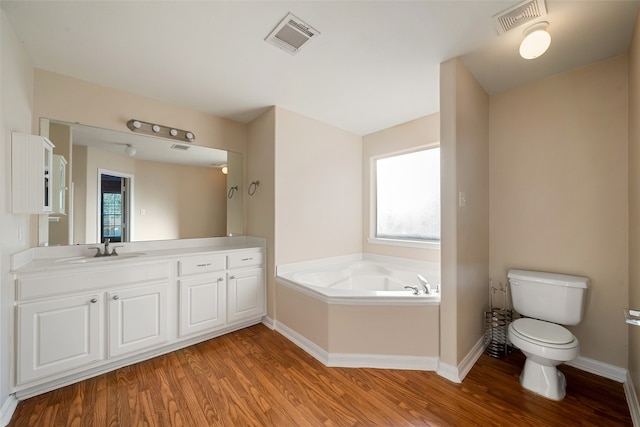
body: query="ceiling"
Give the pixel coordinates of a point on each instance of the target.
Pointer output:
(374, 65)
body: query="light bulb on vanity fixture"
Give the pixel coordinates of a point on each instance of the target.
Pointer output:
(154, 129)
(225, 169)
(130, 150)
(536, 41)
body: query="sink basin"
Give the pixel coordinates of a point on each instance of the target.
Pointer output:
(91, 259)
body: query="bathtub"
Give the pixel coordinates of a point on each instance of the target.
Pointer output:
(363, 279)
(353, 311)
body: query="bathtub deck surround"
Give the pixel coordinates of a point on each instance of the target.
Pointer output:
(78, 316)
(353, 311)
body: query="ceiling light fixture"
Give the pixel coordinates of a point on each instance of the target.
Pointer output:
(139, 126)
(130, 150)
(536, 41)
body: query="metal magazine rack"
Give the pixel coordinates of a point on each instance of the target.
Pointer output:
(496, 324)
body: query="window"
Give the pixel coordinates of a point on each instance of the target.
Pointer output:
(408, 196)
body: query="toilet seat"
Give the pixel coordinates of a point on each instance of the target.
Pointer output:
(540, 347)
(544, 332)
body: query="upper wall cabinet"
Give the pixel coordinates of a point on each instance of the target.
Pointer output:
(31, 169)
(59, 188)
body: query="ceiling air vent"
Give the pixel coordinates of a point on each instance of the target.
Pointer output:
(519, 14)
(291, 34)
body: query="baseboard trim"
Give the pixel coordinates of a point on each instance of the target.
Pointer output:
(599, 368)
(357, 360)
(382, 361)
(7, 410)
(632, 400)
(457, 373)
(310, 347)
(268, 322)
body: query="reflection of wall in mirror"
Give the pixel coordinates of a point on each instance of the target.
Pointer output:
(235, 217)
(168, 194)
(159, 190)
(59, 230)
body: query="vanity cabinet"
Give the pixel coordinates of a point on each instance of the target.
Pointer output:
(203, 294)
(246, 286)
(79, 317)
(137, 318)
(58, 334)
(66, 321)
(31, 168)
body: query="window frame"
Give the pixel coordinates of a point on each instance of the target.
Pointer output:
(373, 204)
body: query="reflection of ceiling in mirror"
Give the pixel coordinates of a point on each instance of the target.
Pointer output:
(147, 147)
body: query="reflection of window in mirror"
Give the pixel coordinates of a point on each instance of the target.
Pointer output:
(114, 208)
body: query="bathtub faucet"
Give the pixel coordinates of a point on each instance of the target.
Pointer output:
(425, 284)
(415, 289)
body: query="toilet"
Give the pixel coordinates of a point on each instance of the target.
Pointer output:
(546, 301)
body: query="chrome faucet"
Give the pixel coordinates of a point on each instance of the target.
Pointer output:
(415, 289)
(105, 252)
(425, 284)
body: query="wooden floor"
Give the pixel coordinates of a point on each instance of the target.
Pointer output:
(256, 377)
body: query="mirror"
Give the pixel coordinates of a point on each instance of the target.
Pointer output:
(133, 187)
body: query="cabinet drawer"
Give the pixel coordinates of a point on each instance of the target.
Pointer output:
(86, 279)
(246, 259)
(201, 264)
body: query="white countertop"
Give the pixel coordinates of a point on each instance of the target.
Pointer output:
(42, 259)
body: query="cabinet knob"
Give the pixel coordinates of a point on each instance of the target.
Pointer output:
(94, 300)
(232, 277)
(116, 297)
(220, 279)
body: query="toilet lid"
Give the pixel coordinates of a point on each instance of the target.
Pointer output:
(543, 331)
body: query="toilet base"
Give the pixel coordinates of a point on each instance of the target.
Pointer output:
(544, 380)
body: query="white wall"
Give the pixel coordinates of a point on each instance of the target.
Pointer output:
(16, 93)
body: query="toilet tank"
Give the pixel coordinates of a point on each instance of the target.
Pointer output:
(557, 298)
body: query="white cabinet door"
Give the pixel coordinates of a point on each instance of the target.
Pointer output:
(58, 335)
(246, 294)
(31, 168)
(137, 318)
(202, 303)
(59, 187)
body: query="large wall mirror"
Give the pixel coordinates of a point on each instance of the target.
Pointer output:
(131, 187)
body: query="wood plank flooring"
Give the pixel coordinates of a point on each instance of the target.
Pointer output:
(256, 377)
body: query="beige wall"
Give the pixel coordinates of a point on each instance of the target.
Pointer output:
(67, 99)
(384, 330)
(559, 191)
(16, 105)
(318, 189)
(417, 133)
(464, 150)
(261, 206)
(634, 202)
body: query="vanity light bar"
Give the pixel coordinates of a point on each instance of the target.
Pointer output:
(158, 130)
